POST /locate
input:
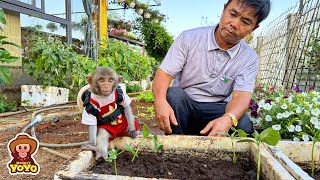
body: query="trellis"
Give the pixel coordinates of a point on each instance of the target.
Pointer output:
(289, 49)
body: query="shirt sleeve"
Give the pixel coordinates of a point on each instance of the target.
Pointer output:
(126, 101)
(88, 119)
(245, 81)
(175, 59)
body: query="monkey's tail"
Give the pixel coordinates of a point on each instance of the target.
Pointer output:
(79, 99)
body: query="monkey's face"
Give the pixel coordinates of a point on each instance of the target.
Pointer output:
(23, 150)
(106, 85)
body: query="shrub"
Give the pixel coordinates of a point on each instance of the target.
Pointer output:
(295, 113)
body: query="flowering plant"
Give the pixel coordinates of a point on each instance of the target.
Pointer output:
(295, 113)
(118, 32)
(122, 24)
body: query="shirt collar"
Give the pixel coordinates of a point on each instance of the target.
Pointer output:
(212, 44)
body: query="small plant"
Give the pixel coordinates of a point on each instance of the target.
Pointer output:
(146, 134)
(151, 113)
(112, 156)
(236, 133)
(133, 88)
(269, 136)
(5, 107)
(147, 97)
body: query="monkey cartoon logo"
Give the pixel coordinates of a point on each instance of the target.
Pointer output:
(22, 148)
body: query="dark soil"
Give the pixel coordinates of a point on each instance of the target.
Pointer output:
(177, 167)
(64, 130)
(307, 169)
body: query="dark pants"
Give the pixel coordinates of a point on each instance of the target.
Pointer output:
(193, 116)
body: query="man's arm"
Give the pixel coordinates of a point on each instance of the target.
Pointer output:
(164, 112)
(238, 106)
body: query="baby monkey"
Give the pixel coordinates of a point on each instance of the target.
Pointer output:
(106, 111)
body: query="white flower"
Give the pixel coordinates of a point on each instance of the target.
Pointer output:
(314, 120)
(315, 112)
(286, 114)
(307, 112)
(315, 99)
(276, 127)
(277, 99)
(317, 126)
(268, 118)
(291, 128)
(289, 99)
(261, 103)
(258, 120)
(267, 106)
(279, 116)
(284, 106)
(298, 128)
(298, 110)
(296, 139)
(305, 138)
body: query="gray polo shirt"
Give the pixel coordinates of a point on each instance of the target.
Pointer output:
(205, 71)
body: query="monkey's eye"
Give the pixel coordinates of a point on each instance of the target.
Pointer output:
(101, 79)
(110, 80)
(19, 147)
(25, 147)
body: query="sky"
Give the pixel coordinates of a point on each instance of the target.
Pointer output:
(188, 14)
(181, 14)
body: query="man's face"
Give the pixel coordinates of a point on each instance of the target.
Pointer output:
(236, 22)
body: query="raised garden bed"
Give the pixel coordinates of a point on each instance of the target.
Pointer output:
(299, 158)
(207, 150)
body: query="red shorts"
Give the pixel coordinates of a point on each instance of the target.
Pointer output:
(119, 129)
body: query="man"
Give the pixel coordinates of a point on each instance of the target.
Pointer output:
(208, 65)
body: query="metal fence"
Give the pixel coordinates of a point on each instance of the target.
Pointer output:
(289, 49)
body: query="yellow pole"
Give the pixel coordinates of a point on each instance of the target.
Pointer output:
(103, 21)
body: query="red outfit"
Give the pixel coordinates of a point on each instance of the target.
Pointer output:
(117, 128)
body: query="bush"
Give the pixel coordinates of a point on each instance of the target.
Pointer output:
(133, 88)
(295, 113)
(147, 97)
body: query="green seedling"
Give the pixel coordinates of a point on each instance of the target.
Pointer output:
(146, 134)
(316, 139)
(112, 156)
(268, 136)
(236, 133)
(151, 112)
(157, 147)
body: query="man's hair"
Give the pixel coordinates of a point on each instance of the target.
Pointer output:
(261, 7)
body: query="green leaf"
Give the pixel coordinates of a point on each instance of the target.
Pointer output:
(317, 136)
(241, 133)
(270, 136)
(128, 148)
(146, 131)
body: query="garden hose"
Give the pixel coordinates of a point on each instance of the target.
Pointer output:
(36, 118)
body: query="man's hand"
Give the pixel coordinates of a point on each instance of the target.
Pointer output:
(221, 124)
(165, 116)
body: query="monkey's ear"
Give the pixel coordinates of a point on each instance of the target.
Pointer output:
(89, 79)
(120, 79)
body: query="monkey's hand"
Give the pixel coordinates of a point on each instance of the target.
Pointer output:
(95, 150)
(132, 132)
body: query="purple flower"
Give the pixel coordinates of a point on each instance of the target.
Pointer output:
(268, 101)
(254, 114)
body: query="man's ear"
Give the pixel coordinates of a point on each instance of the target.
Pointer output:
(120, 78)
